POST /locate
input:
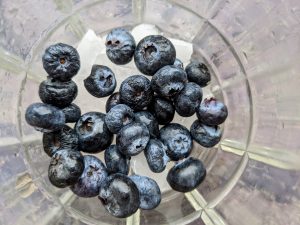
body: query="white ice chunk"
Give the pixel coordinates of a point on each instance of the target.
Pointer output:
(143, 30)
(184, 50)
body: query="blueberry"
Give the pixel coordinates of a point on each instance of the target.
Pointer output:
(198, 73)
(119, 195)
(188, 99)
(45, 118)
(162, 109)
(112, 101)
(93, 176)
(149, 120)
(168, 81)
(154, 52)
(156, 155)
(72, 113)
(132, 139)
(115, 161)
(206, 136)
(150, 195)
(119, 116)
(178, 63)
(212, 112)
(61, 61)
(135, 91)
(178, 140)
(185, 176)
(66, 138)
(65, 168)
(60, 94)
(93, 134)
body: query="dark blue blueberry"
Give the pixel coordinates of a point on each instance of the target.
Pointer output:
(188, 99)
(133, 138)
(101, 82)
(168, 81)
(149, 120)
(115, 161)
(198, 73)
(212, 112)
(178, 63)
(154, 52)
(112, 101)
(135, 91)
(178, 140)
(185, 176)
(162, 109)
(120, 46)
(119, 116)
(61, 61)
(93, 134)
(65, 168)
(206, 136)
(45, 118)
(150, 195)
(119, 195)
(72, 113)
(92, 177)
(156, 155)
(60, 94)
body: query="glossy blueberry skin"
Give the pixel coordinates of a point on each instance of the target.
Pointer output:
(185, 176)
(119, 116)
(61, 61)
(178, 140)
(198, 73)
(206, 136)
(115, 161)
(120, 46)
(150, 195)
(93, 134)
(101, 82)
(149, 120)
(156, 155)
(188, 99)
(65, 168)
(154, 52)
(135, 91)
(92, 177)
(112, 101)
(133, 139)
(162, 109)
(119, 195)
(72, 113)
(65, 138)
(212, 112)
(45, 118)
(59, 94)
(178, 63)
(168, 81)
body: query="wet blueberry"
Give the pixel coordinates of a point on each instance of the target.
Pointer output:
(119, 195)
(61, 61)
(115, 161)
(198, 73)
(154, 52)
(149, 120)
(178, 63)
(162, 109)
(112, 101)
(72, 113)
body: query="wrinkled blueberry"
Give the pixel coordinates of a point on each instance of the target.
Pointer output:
(149, 191)
(112, 101)
(198, 73)
(65, 168)
(156, 155)
(115, 161)
(120, 46)
(162, 109)
(118, 116)
(44, 117)
(61, 61)
(135, 91)
(154, 52)
(212, 112)
(185, 176)
(119, 195)
(72, 113)
(178, 64)
(92, 177)
(149, 120)
(93, 134)
(133, 138)
(168, 81)
(178, 140)
(188, 99)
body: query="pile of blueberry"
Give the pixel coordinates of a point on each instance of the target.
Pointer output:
(133, 114)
